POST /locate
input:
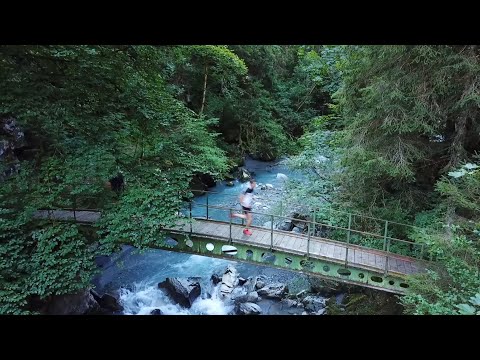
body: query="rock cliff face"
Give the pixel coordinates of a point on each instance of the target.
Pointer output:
(84, 302)
(12, 138)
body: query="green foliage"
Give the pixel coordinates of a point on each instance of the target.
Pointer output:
(462, 189)
(319, 161)
(403, 118)
(395, 102)
(64, 257)
(225, 64)
(441, 291)
(466, 309)
(45, 260)
(90, 112)
(455, 246)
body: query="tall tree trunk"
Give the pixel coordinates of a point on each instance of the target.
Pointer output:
(204, 91)
(457, 149)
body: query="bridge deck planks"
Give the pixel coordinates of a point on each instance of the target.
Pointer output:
(293, 242)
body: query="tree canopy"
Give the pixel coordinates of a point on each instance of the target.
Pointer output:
(388, 131)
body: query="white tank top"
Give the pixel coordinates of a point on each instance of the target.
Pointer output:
(247, 198)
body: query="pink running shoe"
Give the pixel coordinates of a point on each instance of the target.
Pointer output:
(247, 232)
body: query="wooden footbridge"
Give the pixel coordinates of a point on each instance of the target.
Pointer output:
(306, 252)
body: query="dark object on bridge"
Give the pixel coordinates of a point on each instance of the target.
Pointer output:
(117, 183)
(156, 312)
(183, 291)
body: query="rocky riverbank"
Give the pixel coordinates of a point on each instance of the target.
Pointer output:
(231, 294)
(236, 295)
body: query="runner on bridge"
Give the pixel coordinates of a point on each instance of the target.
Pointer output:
(246, 200)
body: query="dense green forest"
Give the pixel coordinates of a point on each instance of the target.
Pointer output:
(389, 131)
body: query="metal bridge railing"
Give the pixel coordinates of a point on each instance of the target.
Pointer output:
(223, 214)
(74, 203)
(353, 224)
(344, 234)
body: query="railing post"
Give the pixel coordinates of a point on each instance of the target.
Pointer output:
(231, 217)
(190, 206)
(314, 219)
(348, 238)
(385, 236)
(207, 205)
(281, 208)
(421, 252)
(308, 239)
(271, 237)
(386, 257)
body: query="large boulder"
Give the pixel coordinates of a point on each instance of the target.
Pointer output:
(197, 186)
(249, 285)
(281, 176)
(243, 174)
(260, 281)
(251, 297)
(215, 279)
(110, 302)
(297, 230)
(313, 304)
(291, 303)
(301, 225)
(208, 180)
(229, 281)
(182, 290)
(285, 225)
(248, 309)
(273, 291)
(263, 155)
(80, 303)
